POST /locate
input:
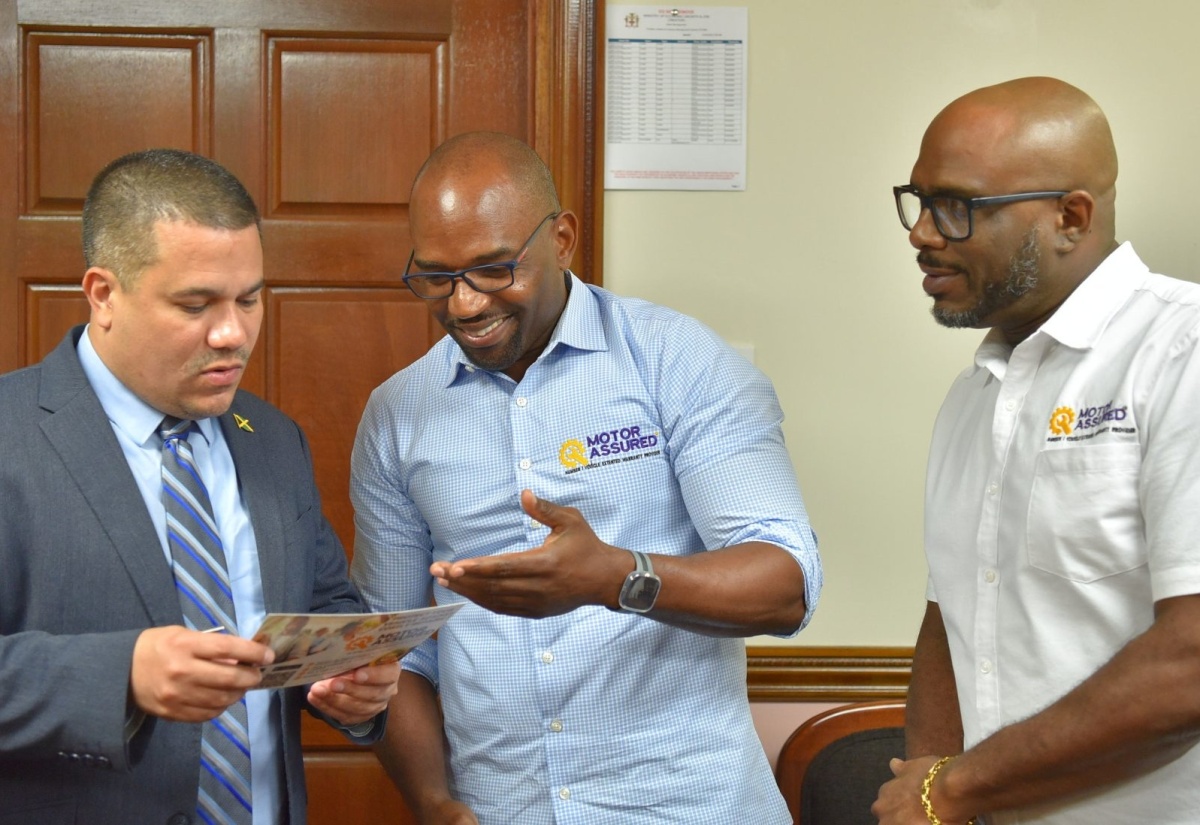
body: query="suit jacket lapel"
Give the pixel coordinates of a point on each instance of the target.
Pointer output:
(252, 461)
(80, 432)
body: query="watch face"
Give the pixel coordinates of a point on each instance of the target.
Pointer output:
(640, 591)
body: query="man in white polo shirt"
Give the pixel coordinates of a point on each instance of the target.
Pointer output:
(1056, 677)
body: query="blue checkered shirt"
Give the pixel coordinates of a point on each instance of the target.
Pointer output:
(668, 442)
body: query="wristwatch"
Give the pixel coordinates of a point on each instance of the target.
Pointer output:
(640, 590)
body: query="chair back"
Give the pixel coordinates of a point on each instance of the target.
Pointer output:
(831, 767)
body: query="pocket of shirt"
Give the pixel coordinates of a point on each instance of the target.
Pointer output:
(1085, 521)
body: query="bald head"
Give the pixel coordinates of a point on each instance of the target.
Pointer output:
(1029, 134)
(486, 201)
(487, 171)
(1025, 172)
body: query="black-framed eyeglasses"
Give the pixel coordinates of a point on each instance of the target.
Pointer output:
(953, 216)
(483, 278)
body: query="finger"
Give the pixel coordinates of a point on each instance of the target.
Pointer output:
(347, 709)
(377, 675)
(234, 649)
(502, 566)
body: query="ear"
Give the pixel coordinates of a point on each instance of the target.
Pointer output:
(566, 236)
(1075, 218)
(99, 287)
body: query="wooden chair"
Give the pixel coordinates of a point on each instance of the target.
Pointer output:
(831, 767)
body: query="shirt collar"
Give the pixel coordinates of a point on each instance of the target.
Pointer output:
(579, 327)
(1082, 318)
(124, 409)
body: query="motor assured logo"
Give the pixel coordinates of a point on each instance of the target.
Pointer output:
(1067, 423)
(607, 447)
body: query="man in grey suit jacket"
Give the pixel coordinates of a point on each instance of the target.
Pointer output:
(102, 688)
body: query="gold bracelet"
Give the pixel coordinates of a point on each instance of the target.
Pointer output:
(927, 786)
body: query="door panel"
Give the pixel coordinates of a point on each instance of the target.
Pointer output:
(325, 111)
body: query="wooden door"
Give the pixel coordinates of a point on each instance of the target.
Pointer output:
(325, 110)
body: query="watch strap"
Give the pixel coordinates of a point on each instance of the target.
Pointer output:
(641, 562)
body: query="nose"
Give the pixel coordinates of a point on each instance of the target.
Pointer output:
(229, 329)
(924, 233)
(464, 301)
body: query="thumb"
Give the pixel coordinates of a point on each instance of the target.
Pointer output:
(544, 511)
(896, 765)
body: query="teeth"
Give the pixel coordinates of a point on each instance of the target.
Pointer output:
(488, 328)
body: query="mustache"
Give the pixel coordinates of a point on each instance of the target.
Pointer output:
(926, 258)
(241, 355)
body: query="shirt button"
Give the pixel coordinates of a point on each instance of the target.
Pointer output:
(1010, 405)
(470, 368)
(534, 523)
(522, 401)
(993, 489)
(985, 666)
(990, 576)
(556, 726)
(547, 657)
(564, 793)
(526, 464)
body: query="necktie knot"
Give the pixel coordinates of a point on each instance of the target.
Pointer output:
(172, 427)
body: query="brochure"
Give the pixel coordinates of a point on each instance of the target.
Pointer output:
(313, 646)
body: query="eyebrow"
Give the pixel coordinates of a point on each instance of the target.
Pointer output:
(946, 192)
(501, 255)
(206, 292)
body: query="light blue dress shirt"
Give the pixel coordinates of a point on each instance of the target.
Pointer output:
(136, 426)
(668, 442)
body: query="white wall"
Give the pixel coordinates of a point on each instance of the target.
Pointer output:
(811, 266)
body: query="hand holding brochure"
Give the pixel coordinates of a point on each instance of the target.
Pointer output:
(313, 646)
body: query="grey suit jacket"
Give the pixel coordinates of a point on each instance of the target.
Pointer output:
(82, 573)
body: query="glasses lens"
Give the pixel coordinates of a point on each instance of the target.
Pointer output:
(489, 278)
(909, 205)
(433, 285)
(952, 216)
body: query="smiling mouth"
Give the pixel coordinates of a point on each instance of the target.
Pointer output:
(482, 336)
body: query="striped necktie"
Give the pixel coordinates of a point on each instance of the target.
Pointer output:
(202, 582)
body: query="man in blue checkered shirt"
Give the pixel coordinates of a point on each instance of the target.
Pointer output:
(605, 483)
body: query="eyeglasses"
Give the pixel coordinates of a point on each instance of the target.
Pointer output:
(483, 278)
(953, 216)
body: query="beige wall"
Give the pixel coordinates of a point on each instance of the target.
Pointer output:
(811, 266)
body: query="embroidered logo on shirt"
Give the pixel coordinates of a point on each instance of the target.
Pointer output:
(1071, 425)
(1061, 421)
(571, 453)
(607, 447)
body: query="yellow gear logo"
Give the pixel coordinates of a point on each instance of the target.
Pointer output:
(1061, 421)
(572, 453)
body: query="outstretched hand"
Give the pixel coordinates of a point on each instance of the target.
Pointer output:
(570, 569)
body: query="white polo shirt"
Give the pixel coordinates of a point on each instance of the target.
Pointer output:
(1063, 500)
